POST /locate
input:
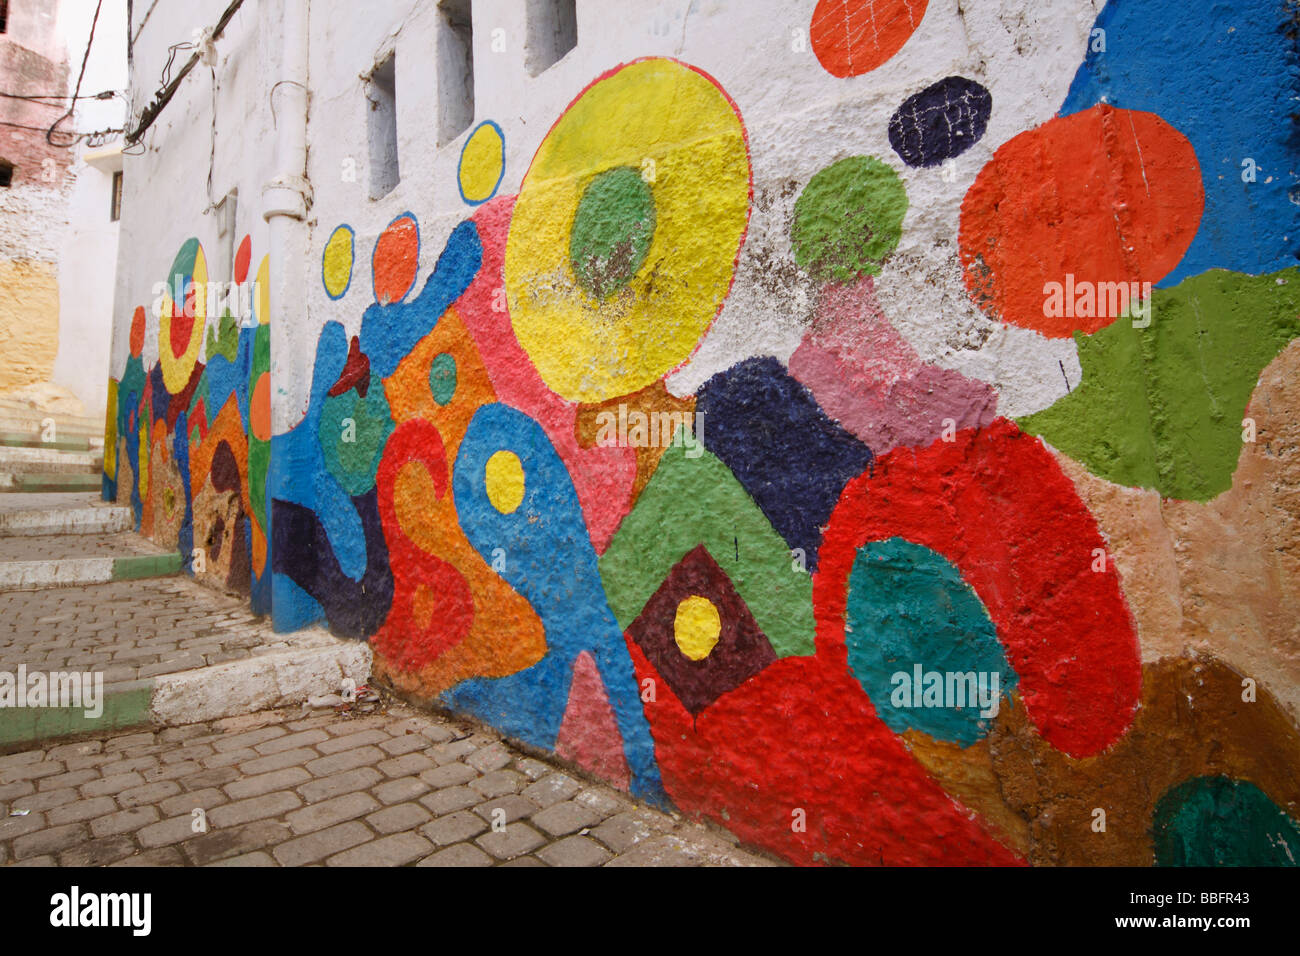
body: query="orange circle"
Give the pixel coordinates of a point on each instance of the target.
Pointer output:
(259, 408)
(852, 37)
(1103, 197)
(242, 259)
(396, 258)
(137, 331)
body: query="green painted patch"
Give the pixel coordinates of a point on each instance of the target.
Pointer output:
(442, 377)
(126, 707)
(612, 229)
(352, 433)
(848, 219)
(138, 566)
(223, 337)
(1162, 407)
(1218, 821)
(29, 483)
(693, 501)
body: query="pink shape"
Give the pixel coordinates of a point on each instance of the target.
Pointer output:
(866, 375)
(602, 477)
(589, 731)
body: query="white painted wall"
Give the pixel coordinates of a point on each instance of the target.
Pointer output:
(799, 119)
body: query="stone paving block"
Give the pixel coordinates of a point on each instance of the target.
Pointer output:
(11, 827)
(286, 758)
(524, 861)
(453, 828)
(498, 783)
(347, 760)
(166, 832)
(603, 802)
(662, 850)
(565, 818)
(551, 789)
(220, 844)
(449, 775)
(114, 783)
(405, 744)
(396, 850)
(149, 793)
(462, 854)
(489, 758)
(340, 783)
(305, 738)
(97, 852)
(400, 790)
(574, 851)
(406, 765)
(262, 783)
(46, 800)
(512, 806)
(450, 799)
(317, 816)
(403, 816)
(254, 808)
(622, 832)
(216, 777)
(48, 841)
(362, 737)
(532, 769)
(124, 821)
(188, 802)
(248, 859)
(85, 809)
(515, 840)
(322, 843)
(74, 778)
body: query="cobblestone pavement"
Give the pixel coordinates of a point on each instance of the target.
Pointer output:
(129, 629)
(294, 788)
(52, 547)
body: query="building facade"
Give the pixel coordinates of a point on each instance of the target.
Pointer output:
(58, 225)
(871, 425)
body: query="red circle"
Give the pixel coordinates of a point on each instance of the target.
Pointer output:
(242, 258)
(137, 331)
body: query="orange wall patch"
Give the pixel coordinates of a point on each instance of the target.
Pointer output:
(852, 37)
(1103, 196)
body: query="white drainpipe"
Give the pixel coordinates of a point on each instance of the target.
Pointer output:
(285, 201)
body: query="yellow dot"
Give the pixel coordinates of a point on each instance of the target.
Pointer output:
(336, 264)
(504, 477)
(696, 627)
(481, 163)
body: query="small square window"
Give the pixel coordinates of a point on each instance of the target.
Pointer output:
(552, 32)
(6, 174)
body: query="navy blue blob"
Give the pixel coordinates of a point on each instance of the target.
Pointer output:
(792, 459)
(942, 121)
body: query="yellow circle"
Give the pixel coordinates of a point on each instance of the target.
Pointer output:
(177, 369)
(504, 477)
(481, 163)
(678, 129)
(696, 627)
(336, 264)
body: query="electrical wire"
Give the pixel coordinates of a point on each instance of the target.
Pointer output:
(85, 57)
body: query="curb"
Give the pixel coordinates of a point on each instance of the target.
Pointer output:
(107, 519)
(74, 572)
(268, 681)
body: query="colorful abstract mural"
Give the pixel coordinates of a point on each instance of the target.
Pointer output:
(835, 601)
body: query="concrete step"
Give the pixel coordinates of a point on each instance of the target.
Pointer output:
(35, 424)
(29, 440)
(76, 572)
(83, 519)
(37, 461)
(31, 484)
(292, 670)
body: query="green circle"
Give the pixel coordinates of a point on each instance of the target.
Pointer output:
(442, 377)
(612, 229)
(848, 219)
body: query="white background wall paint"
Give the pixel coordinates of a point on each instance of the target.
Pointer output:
(799, 119)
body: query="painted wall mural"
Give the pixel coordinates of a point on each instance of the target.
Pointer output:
(837, 603)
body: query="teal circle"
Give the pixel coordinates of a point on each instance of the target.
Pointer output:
(908, 606)
(1219, 821)
(442, 377)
